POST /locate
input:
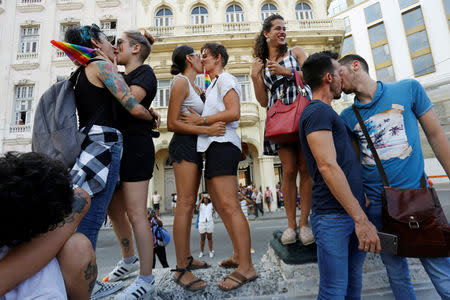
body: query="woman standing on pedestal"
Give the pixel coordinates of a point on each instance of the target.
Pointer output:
(273, 68)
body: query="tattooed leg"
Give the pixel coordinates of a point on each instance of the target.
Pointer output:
(37, 253)
(78, 266)
(121, 224)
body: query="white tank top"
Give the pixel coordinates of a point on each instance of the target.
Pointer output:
(193, 100)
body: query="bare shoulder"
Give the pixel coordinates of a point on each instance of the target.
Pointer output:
(300, 54)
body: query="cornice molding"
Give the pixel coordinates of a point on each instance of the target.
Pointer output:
(108, 3)
(25, 66)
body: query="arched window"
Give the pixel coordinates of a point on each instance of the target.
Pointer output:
(164, 17)
(234, 14)
(267, 10)
(199, 15)
(303, 11)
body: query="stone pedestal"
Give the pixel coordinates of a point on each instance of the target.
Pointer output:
(293, 254)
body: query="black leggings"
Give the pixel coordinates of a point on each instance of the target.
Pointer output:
(161, 252)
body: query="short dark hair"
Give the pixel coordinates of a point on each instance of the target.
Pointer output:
(215, 49)
(316, 66)
(351, 58)
(82, 35)
(36, 196)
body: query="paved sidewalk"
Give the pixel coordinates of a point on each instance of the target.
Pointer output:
(167, 218)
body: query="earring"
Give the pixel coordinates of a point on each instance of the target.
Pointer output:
(216, 63)
(267, 40)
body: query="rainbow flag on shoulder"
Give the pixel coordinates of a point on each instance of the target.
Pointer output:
(75, 52)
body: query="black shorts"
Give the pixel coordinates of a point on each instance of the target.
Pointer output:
(184, 147)
(138, 158)
(222, 159)
(156, 206)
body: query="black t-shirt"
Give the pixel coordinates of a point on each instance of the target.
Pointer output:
(144, 77)
(320, 116)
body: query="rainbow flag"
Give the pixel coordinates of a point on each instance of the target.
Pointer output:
(75, 52)
(207, 81)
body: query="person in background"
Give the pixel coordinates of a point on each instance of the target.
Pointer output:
(205, 224)
(127, 209)
(156, 199)
(174, 203)
(394, 110)
(158, 250)
(273, 70)
(258, 203)
(268, 198)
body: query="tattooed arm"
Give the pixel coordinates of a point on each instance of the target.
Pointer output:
(115, 83)
(25, 260)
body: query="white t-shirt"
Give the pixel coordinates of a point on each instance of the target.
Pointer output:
(47, 284)
(244, 207)
(156, 198)
(205, 212)
(259, 197)
(214, 104)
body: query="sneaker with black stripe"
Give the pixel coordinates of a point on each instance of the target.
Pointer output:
(138, 290)
(122, 270)
(103, 289)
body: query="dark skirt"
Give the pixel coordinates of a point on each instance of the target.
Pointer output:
(138, 158)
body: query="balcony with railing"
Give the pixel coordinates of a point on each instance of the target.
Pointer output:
(249, 113)
(30, 5)
(312, 26)
(69, 4)
(14, 129)
(27, 56)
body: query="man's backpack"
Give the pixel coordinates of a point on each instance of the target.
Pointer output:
(55, 127)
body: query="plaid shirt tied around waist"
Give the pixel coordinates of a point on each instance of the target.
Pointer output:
(91, 169)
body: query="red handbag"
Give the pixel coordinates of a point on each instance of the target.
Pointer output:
(282, 120)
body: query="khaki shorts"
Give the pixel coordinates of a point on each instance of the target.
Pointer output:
(204, 227)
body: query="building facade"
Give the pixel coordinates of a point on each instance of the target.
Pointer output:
(403, 39)
(30, 65)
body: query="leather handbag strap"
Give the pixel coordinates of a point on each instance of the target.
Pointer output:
(372, 147)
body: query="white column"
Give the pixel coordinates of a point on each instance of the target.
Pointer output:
(268, 177)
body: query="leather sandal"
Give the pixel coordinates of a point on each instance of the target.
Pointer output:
(238, 278)
(188, 286)
(191, 266)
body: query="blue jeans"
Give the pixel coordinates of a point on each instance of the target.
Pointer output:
(340, 261)
(438, 269)
(94, 218)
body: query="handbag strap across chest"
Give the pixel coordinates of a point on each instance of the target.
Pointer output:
(375, 153)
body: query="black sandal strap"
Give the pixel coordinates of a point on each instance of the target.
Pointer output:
(182, 272)
(188, 286)
(191, 260)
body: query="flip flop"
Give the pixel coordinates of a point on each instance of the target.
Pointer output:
(228, 264)
(191, 266)
(237, 278)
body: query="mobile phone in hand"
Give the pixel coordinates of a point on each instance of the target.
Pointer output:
(388, 243)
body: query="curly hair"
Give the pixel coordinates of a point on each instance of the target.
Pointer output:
(36, 196)
(261, 50)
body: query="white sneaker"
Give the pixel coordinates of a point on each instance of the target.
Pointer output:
(122, 270)
(138, 290)
(200, 255)
(211, 254)
(103, 289)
